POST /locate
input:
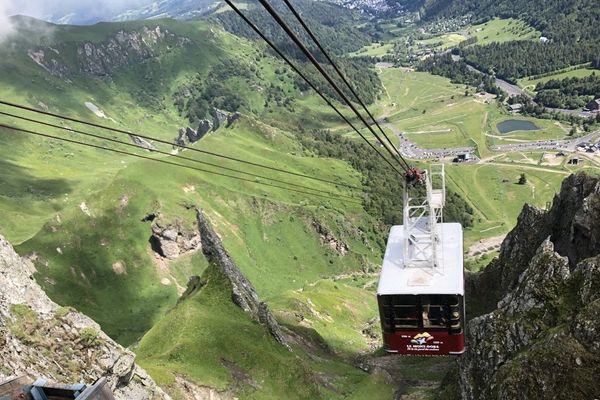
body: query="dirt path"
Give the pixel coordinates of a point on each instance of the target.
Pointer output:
(485, 246)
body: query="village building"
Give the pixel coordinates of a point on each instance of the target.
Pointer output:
(515, 108)
(593, 105)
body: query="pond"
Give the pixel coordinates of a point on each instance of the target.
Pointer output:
(512, 125)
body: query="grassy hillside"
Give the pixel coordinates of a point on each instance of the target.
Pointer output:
(503, 30)
(78, 211)
(239, 357)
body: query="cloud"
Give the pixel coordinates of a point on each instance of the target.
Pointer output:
(78, 11)
(61, 11)
(6, 27)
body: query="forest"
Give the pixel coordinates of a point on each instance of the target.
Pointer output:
(518, 59)
(568, 93)
(570, 25)
(459, 72)
(383, 187)
(336, 30)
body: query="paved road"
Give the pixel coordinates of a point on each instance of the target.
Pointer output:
(566, 144)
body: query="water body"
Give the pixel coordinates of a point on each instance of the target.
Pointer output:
(512, 125)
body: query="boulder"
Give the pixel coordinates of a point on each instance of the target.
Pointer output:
(144, 144)
(172, 240)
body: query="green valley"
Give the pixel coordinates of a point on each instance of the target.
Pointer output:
(215, 124)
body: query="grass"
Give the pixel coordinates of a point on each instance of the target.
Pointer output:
(374, 50)
(442, 42)
(325, 301)
(497, 199)
(204, 327)
(530, 83)
(451, 119)
(268, 230)
(503, 30)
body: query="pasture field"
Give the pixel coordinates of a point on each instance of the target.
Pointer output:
(436, 113)
(492, 190)
(442, 42)
(374, 50)
(530, 83)
(451, 119)
(503, 30)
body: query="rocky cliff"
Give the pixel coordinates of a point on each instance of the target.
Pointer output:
(243, 293)
(40, 339)
(542, 339)
(104, 58)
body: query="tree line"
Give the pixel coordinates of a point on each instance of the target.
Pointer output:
(384, 190)
(568, 93)
(459, 72)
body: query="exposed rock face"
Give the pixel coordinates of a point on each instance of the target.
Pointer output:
(243, 293)
(232, 118)
(144, 144)
(204, 127)
(188, 135)
(105, 58)
(40, 339)
(219, 118)
(329, 240)
(172, 240)
(572, 223)
(542, 340)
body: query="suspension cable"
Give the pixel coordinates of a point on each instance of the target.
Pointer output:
(129, 144)
(343, 77)
(312, 59)
(122, 131)
(291, 64)
(13, 128)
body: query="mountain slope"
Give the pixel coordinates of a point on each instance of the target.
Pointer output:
(216, 321)
(34, 331)
(541, 340)
(120, 230)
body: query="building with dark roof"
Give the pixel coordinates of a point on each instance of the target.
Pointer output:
(593, 105)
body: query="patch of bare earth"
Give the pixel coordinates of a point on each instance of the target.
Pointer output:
(119, 268)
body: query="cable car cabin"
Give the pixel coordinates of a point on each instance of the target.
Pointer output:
(422, 306)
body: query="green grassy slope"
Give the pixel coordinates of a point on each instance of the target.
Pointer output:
(239, 356)
(78, 212)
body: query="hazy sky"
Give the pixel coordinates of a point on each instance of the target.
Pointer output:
(86, 10)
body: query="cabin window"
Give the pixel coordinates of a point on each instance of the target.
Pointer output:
(433, 312)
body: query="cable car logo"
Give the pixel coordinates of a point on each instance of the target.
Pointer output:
(421, 338)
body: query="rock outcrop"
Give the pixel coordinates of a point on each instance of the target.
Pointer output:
(542, 339)
(219, 118)
(188, 135)
(143, 143)
(329, 240)
(172, 240)
(243, 293)
(40, 339)
(104, 58)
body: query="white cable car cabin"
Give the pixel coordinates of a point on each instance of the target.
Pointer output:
(421, 286)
